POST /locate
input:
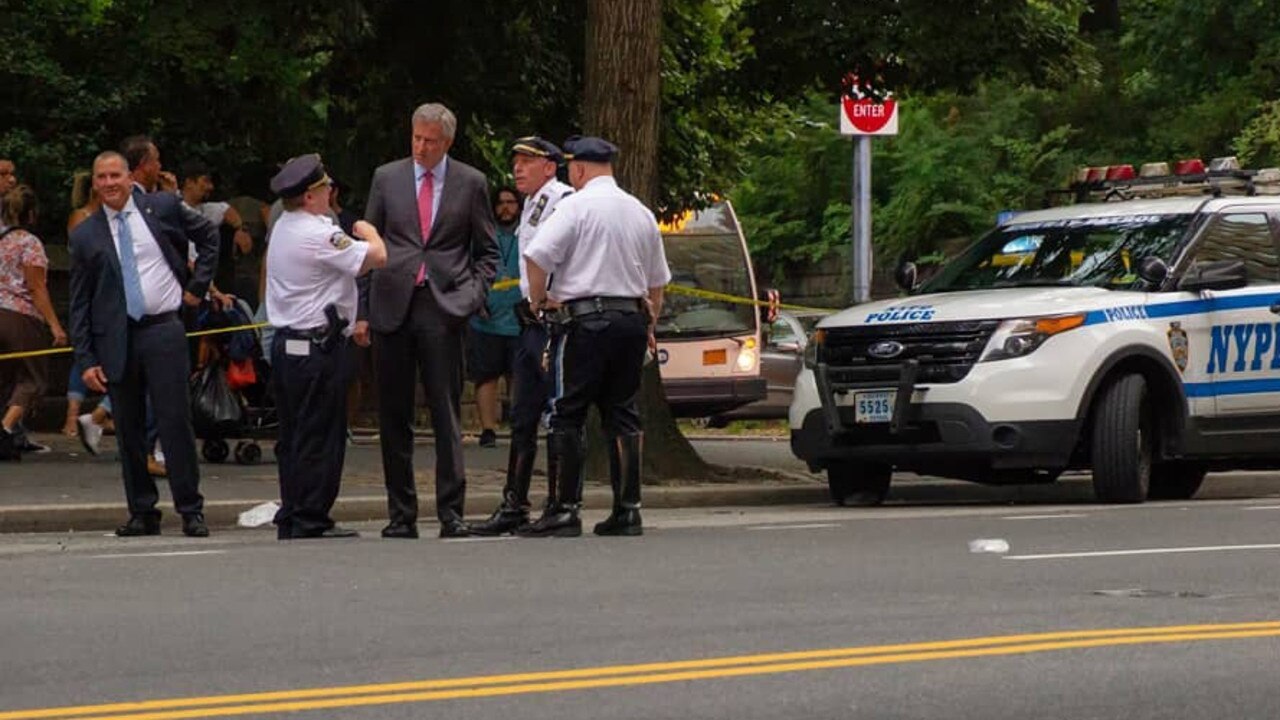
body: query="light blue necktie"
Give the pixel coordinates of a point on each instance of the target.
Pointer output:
(134, 303)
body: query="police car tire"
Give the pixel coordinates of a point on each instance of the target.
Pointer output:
(859, 485)
(1175, 480)
(1123, 442)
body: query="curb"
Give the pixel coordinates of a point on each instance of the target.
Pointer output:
(223, 514)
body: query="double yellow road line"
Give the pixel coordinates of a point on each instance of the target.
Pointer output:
(643, 674)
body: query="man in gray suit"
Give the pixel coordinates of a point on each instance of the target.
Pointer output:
(435, 217)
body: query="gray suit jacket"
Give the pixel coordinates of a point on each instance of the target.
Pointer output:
(461, 255)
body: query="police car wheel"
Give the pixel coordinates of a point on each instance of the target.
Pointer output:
(1123, 442)
(1175, 480)
(215, 451)
(858, 484)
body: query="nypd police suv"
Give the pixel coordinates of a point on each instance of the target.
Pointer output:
(1138, 337)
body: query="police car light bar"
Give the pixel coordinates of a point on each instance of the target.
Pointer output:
(1190, 176)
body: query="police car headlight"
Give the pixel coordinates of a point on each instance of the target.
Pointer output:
(1016, 338)
(813, 348)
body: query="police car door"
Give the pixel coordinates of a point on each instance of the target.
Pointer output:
(1242, 360)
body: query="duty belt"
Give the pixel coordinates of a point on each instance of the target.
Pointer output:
(316, 333)
(594, 305)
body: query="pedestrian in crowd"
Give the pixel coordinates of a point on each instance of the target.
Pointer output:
(494, 332)
(344, 217)
(253, 217)
(434, 213)
(145, 170)
(84, 203)
(129, 277)
(8, 181)
(534, 165)
(605, 250)
(27, 320)
(311, 300)
(234, 241)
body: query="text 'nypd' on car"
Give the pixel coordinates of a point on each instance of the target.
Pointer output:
(1139, 338)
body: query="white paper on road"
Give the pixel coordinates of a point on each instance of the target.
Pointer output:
(998, 546)
(259, 515)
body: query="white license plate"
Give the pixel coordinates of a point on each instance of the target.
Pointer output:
(873, 407)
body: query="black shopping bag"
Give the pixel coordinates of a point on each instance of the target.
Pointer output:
(215, 410)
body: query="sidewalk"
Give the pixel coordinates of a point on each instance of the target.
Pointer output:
(68, 490)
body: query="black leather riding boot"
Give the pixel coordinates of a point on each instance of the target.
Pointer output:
(625, 519)
(514, 509)
(561, 519)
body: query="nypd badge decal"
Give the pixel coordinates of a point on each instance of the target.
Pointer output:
(1178, 346)
(340, 241)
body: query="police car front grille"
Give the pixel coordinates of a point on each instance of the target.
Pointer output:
(945, 352)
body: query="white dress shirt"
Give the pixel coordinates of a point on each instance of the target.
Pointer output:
(601, 241)
(160, 289)
(537, 208)
(310, 264)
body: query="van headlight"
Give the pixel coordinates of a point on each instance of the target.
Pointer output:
(1016, 338)
(813, 348)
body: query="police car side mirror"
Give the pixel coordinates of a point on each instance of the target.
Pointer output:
(905, 275)
(1215, 275)
(1153, 270)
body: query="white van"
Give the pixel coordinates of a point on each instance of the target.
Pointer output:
(1139, 338)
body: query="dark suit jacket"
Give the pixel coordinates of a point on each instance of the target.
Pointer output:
(99, 325)
(461, 256)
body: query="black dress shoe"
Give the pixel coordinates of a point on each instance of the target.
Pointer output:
(193, 525)
(454, 528)
(621, 522)
(400, 531)
(503, 520)
(555, 522)
(332, 532)
(138, 526)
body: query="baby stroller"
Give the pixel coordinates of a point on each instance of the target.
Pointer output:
(230, 390)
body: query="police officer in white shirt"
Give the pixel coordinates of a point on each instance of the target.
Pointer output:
(534, 165)
(605, 251)
(311, 300)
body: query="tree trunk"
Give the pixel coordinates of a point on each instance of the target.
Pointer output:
(621, 104)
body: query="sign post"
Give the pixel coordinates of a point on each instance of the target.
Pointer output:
(862, 117)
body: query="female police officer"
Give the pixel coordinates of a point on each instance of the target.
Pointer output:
(312, 267)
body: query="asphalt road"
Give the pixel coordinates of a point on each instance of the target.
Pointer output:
(743, 613)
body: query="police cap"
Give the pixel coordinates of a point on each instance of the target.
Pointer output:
(537, 147)
(589, 149)
(299, 175)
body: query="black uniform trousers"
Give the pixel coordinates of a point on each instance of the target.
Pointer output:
(428, 342)
(599, 358)
(311, 401)
(530, 392)
(156, 372)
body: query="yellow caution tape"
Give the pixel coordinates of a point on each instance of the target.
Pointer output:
(61, 350)
(695, 292)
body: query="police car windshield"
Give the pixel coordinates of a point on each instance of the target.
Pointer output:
(1087, 252)
(709, 266)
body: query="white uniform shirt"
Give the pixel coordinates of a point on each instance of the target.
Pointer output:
(601, 241)
(160, 289)
(537, 208)
(310, 264)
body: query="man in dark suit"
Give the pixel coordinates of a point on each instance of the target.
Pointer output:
(434, 214)
(129, 278)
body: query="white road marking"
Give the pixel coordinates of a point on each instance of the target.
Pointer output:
(1044, 517)
(1145, 551)
(1264, 507)
(175, 553)
(807, 526)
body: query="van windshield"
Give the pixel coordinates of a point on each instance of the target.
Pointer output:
(708, 259)
(1097, 252)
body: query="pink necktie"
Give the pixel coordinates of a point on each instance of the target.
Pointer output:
(425, 195)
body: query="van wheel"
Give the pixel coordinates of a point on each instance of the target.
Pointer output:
(1175, 480)
(1124, 437)
(859, 485)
